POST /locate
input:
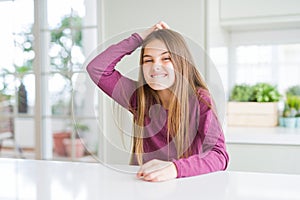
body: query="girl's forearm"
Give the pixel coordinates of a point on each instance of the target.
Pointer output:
(104, 63)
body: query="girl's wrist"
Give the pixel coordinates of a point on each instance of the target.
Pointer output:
(138, 37)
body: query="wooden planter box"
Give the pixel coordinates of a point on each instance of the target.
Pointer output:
(252, 114)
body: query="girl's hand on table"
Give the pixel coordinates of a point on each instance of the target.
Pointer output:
(157, 170)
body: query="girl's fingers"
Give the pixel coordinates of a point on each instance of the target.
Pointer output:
(158, 26)
(145, 167)
(154, 176)
(156, 170)
(155, 27)
(164, 25)
(159, 174)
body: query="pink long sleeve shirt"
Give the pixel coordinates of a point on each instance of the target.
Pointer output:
(206, 136)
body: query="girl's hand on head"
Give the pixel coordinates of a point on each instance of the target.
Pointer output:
(157, 170)
(157, 26)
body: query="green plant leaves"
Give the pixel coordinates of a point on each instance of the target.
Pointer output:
(241, 93)
(264, 92)
(294, 90)
(260, 92)
(292, 106)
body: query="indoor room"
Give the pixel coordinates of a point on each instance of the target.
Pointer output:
(71, 129)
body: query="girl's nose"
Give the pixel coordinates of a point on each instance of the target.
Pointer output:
(157, 67)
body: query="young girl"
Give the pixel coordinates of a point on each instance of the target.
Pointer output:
(176, 130)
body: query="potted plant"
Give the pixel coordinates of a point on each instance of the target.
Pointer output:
(23, 42)
(22, 92)
(293, 100)
(5, 93)
(58, 142)
(264, 92)
(80, 130)
(291, 114)
(253, 105)
(63, 140)
(241, 93)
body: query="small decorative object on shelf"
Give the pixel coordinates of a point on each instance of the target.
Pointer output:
(290, 117)
(63, 141)
(255, 105)
(22, 99)
(58, 140)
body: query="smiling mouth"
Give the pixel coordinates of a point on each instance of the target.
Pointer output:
(159, 76)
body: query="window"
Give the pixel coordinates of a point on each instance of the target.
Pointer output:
(17, 80)
(67, 33)
(259, 56)
(276, 64)
(71, 30)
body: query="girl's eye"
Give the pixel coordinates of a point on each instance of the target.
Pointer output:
(147, 61)
(166, 58)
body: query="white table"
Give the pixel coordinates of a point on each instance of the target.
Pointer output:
(32, 179)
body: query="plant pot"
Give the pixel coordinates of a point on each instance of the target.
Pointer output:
(59, 147)
(79, 147)
(290, 122)
(252, 114)
(281, 121)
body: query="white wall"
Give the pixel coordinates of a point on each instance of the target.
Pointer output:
(216, 35)
(186, 17)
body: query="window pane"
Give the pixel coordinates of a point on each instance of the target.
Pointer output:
(16, 72)
(275, 64)
(65, 22)
(29, 83)
(58, 9)
(254, 60)
(68, 32)
(83, 104)
(60, 94)
(7, 84)
(15, 33)
(289, 65)
(6, 35)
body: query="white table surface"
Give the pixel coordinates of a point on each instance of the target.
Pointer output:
(32, 179)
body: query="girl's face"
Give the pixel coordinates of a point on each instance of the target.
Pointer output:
(157, 66)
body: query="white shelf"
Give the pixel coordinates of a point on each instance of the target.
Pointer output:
(261, 135)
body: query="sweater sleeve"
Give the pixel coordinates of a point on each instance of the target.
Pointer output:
(103, 73)
(210, 147)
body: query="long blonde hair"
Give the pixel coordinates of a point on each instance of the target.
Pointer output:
(187, 81)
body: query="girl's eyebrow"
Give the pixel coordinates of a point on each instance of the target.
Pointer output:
(160, 54)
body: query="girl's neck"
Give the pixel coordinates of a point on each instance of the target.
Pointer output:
(165, 96)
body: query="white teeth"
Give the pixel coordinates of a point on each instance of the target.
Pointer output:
(158, 76)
